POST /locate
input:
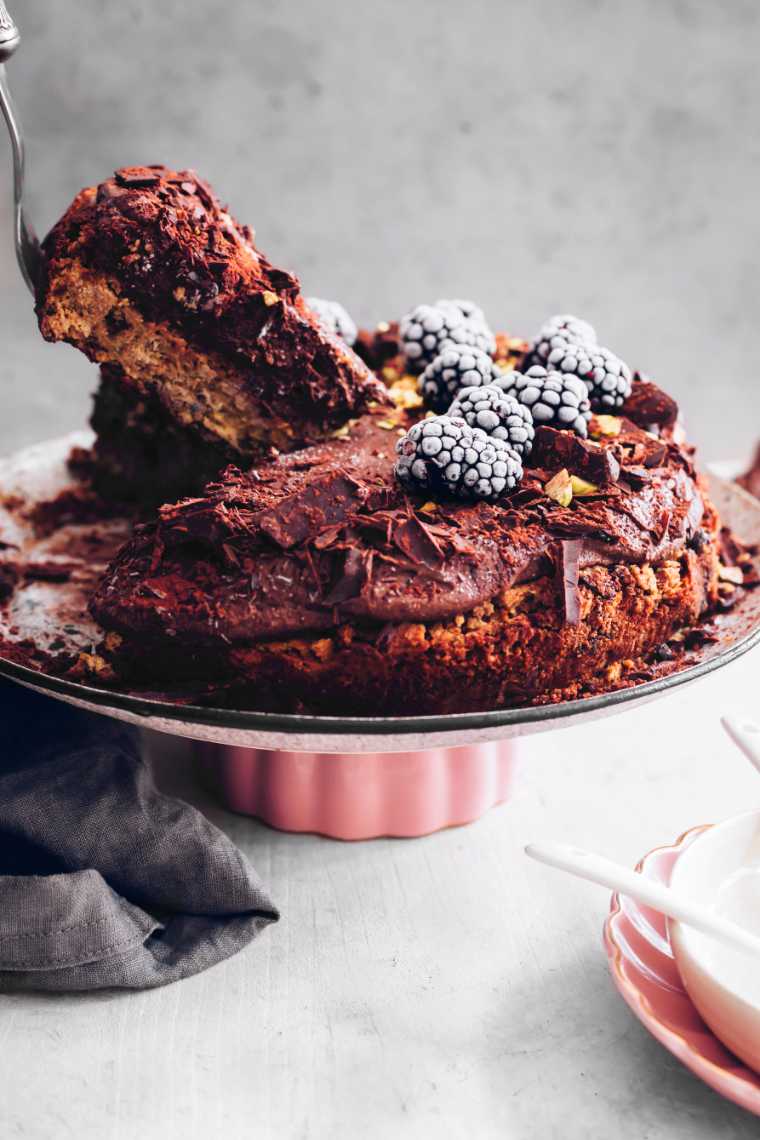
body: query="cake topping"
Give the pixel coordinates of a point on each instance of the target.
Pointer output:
(457, 366)
(568, 344)
(333, 317)
(555, 398)
(607, 378)
(650, 407)
(571, 328)
(564, 487)
(428, 329)
(559, 488)
(558, 336)
(554, 449)
(571, 551)
(475, 316)
(498, 414)
(602, 426)
(445, 454)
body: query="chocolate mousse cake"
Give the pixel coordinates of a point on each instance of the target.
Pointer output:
(431, 563)
(199, 334)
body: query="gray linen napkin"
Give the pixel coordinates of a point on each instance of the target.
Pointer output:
(104, 881)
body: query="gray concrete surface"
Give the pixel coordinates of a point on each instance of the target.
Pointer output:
(597, 157)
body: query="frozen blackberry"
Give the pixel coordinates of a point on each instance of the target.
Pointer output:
(469, 310)
(572, 328)
(431, 454)
(494, 469)
(498, 414)
(607, 378)
(555, 337)
(474, 315)
(428, 329)
(558, 399)
(457, 366)
(446, 455)
(332, 316)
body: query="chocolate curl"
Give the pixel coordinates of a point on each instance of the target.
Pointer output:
(570, 553)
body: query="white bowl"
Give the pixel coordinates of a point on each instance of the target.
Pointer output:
(721, 869)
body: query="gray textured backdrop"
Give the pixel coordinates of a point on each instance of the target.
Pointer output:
(596, 156)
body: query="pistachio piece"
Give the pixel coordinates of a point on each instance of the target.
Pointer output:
(560, 488)
(581, 488)
(605, 425)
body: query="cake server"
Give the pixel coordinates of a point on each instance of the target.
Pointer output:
(597, 869)
(27, 246)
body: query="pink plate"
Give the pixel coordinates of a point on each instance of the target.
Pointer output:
(643, 969)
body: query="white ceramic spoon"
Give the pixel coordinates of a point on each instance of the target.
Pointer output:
(745, 735)
(597, 869)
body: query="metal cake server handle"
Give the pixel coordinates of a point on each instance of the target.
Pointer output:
(27, 246)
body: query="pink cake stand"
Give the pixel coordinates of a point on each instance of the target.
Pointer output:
(358, 778)
(355, 777)
(361, 795)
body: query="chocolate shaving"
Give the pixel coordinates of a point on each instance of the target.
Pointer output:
(696, 638)
(655, 455)
(418, 542)
(637, 477)
(570, 554)
(353, 575)
(135, 180)
(554, 450)
(317, 507)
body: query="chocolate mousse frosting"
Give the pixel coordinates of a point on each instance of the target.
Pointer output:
(327, 535)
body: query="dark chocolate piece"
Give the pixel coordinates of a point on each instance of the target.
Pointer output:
(316, 508)
(554, 450)
(650, 407)
(570, 551)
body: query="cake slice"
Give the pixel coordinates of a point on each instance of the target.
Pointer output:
(148, 275)
(142, 456)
